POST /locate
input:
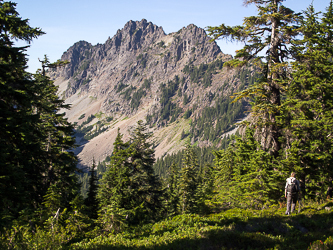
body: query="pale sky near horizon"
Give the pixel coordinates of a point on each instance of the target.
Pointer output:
(68, 21)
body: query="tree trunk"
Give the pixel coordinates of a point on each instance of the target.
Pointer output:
(274, 131)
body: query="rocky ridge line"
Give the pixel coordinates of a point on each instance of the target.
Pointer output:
(105, 79)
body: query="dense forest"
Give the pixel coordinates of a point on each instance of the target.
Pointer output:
(228, 196)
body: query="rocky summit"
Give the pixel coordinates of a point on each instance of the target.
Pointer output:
(141, 73)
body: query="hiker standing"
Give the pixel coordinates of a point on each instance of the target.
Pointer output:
(291, 192)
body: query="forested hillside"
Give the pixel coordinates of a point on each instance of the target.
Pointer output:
(227, 195)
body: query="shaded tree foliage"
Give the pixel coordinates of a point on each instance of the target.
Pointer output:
(309, 105)
(34, 139)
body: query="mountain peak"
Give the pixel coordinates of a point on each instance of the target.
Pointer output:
(131, 74)
(132, 27)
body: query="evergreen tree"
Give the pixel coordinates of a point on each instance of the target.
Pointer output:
(114, 191)
(34, 138)
(205, 187)
(246, 175)
(52, 201)
(272, 30)
(91, 200)
(17, 134)
(130, 191)
(309, 105)
(302, 118)
(172, 190)
(188, 181)
(145, 185)
(62, 223)
(58, 162)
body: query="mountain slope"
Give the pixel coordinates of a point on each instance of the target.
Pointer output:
(142, 73)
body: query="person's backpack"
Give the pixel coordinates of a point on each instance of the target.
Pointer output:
(292, 187)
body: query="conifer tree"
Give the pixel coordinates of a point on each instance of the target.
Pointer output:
(91, 200)
(34, 138)
(309, 105)
(205, 187)
(172, 190)
(146, 186)
(114, 193)
(246, 175)
(16, 117)
(130, 189)
(188, 181)
(270, 31)
(52, 201)
(58, 162)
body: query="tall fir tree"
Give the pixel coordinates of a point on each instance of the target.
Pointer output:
(146, 186)
(91, 201)
(172, 191)
(114, 193)
(34, 139)
(188, 182)
(309, 105)
(267, 39)
(130, 189)
(269, 32)
(58, 161)
(17, 135)
(205, 187)
(246, 175)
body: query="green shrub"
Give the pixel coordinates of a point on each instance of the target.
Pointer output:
(108, 119)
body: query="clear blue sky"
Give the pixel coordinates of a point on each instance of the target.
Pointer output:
(68, 21)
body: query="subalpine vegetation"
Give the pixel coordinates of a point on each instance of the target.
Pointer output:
(235, 203)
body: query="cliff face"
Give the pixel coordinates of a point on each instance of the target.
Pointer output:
(127, 78)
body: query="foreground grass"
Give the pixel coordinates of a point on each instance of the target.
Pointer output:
(312, 228)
